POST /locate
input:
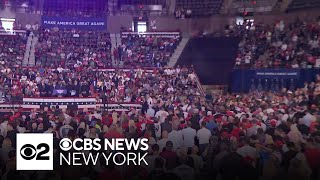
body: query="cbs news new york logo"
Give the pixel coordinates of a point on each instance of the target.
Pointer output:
(34, 151)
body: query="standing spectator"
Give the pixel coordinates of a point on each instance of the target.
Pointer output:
(163, 141)
(203, 135)
(188, 134)
(197, 159)
(175, 136)
(170, 156)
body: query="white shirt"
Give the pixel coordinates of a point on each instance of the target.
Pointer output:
(151, 112)
(308, 119)
(169, 72)
(188, 136)
(247, 151)
(59, 69)
(170, 89)
(161, 115)
(176, 138)
(253, 130)
(204, 135)
(192, 76)
(162, 143)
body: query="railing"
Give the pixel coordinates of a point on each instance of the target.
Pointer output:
(199, 85)
(65, 103)
(248, 6)
(166, 34)
(11, 32)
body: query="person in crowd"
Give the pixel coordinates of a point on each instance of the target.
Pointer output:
(5, 149)
(197, 159)
(176, 136)
(170, 156)
(203, 135)
(189, 134)
(163, 141)
(154, 160)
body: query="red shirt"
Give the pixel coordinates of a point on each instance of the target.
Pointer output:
(236, 132)
(171, 159)
(313, 157)
(141, 126)
(113, 134)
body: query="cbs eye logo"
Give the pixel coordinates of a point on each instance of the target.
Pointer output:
(34, 151)
(65, 144)
(28, 151)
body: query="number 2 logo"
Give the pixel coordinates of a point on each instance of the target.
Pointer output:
(28, 151)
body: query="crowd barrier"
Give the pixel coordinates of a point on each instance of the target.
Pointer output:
(67, 103)
(244, 80)
(11, 33)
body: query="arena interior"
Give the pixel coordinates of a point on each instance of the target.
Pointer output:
(222, 89)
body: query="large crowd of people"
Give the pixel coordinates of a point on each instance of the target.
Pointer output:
(146, 50)
(279, 45)
(227, 136)
(73, 48)
(118, 85)
(12, 48)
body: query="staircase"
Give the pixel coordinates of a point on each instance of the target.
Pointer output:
(115, 42)
(25, 61)
(118, 40)
(32, 59)
(29, 55)
(172, 6)
(284, 5)
(113, 45)
(177, 52)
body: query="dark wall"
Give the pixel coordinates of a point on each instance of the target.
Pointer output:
(212, 58)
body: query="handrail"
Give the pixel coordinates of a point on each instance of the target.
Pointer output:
(7, 107)
(166, 34)
(11, 33)
(200, 87)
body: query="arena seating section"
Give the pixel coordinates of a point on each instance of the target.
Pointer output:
(67, 48)
(200, 8)
(12, 48)
(148, 50)
(280, 45)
